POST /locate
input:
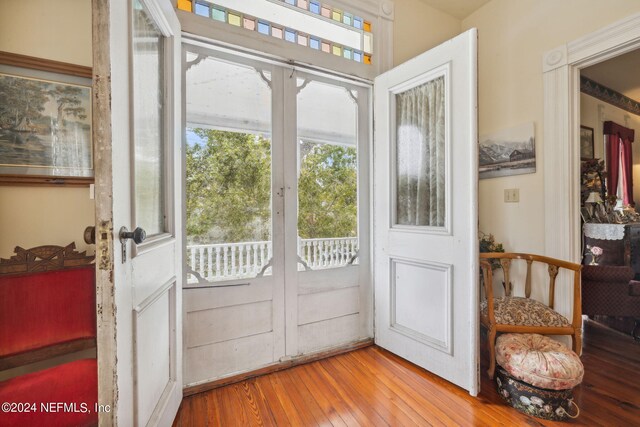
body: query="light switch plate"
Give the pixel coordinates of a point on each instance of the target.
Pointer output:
(511, 195)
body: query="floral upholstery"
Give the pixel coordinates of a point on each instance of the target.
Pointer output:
(539, 361)
(519, 311)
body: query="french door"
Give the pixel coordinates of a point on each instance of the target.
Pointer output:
(277, 213)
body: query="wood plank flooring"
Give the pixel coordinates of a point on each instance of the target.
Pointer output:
(372, 387)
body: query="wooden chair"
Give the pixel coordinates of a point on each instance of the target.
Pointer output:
(525, 315)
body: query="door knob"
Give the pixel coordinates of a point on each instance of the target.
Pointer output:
(138, 235)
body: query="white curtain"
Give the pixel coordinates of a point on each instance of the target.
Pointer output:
(420, 155)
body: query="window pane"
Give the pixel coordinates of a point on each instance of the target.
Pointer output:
(148, 102)
(420, 155)
(228, 184)
(327, 176)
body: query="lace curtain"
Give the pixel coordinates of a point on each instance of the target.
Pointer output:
(420, 155)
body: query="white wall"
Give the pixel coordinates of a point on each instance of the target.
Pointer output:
(419, 27)
(589, 117)
(31, 216)
(513, 36)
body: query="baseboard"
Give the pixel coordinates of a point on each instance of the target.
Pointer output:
(279, 366)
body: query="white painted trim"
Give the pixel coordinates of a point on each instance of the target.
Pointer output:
(561, 67)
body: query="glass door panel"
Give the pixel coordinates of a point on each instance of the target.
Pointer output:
(327, 139)
(420, 155)
(148, 110)
(228, 170)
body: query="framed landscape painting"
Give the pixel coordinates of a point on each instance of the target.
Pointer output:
(45, 127)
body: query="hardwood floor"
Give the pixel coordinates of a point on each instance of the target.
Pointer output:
(372, 387)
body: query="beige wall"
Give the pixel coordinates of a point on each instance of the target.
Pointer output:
(30, 216)
(513, 36)
(418, 27)
(589, 117)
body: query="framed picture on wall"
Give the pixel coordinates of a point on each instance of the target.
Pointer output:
(45, 122)
(586, 143)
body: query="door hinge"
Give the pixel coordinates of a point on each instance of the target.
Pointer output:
(104, 244)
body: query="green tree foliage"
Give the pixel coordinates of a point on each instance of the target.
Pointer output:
(228, 189)
(327, 189)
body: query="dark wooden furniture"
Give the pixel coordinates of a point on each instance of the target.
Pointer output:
(525, 315)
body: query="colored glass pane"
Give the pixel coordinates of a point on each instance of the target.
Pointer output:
(347, 53)
(234, 19)
(367, 26)
(291, 2)
(302, 39)
(276, 32)
(357, 22)
(302, 4)
(249, 24)
(357, 56)
(263, 27)
(185, 5)
(314, 43)
(347, 19)
(326, 47)
(367, 59)
(314, 7)
(337, 50)
(290, 35)
(218, 14)
(202, 9)
(326, 12)
(336, 15)
(367, 41)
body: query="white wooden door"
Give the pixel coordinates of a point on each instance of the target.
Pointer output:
(425, 211)
(147, 194)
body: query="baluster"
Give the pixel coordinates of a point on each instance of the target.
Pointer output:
(307, 253)
(257, 262)
(343, 255)
(209, 261)
(263, 246)
(201, 259)
(248, 264)
(332, 252)
(225, 271)
(316, 251)
(193, 259)
(241, 259)
(233, 260)
(218, 273)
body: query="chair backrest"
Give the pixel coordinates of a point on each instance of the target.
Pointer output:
(505, 259)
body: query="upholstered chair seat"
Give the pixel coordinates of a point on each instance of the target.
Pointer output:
(519, 311)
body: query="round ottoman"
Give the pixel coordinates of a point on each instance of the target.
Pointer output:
(537, 374)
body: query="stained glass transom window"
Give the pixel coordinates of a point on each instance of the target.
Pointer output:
(308, 23)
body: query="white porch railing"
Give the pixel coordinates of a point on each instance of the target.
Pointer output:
(222, 261)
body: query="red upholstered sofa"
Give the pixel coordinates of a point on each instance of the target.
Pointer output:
(43, 315)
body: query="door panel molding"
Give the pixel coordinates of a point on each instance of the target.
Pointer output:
(443, 342)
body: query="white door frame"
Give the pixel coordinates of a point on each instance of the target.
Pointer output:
(561, 72)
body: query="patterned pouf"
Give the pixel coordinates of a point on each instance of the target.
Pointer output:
(537, 375)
